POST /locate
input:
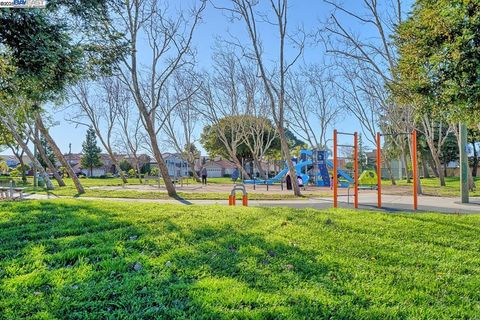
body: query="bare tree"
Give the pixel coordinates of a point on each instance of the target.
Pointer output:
(56, 151)
(18, 152)
(100, 110)
(258, 136)
(40, 149)
(130, 134)
(168, 49)
(221, 107)
(310, 104)
(367, 63)
(274, 80)
(7, 120)
(180, 125)
(436, 135)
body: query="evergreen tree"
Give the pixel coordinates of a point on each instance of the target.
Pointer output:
(362, 155)
(91, 152)
(48, 151)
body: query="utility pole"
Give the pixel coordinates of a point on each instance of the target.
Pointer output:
(463, 163)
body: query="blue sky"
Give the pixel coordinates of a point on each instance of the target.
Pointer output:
(308, 13)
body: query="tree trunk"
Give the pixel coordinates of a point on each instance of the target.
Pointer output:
(432, 165)
(390, 172)
(58, 154)
(405, 163)
(471, 182)
(47, 161)
(259, 167)
(160, 162)
(245, 174)
(25, 148)
(19, 157)
(475, 160)
(111, 155)
(22, 166)
(426, 174)
(441, 173)
(419, 181)
(194, 173)
(286, 154)
(117, 164)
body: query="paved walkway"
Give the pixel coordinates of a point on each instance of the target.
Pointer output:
(391, 203)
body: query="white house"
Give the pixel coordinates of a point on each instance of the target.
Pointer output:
(219, 168)
(177, 167)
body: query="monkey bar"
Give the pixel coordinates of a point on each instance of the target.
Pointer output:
(335, 165)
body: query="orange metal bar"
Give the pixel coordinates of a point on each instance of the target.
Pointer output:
(379, 171)
(415, 170)
(335, 170)
(245, 201)
(355, 169)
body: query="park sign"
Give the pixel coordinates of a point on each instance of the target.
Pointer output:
(23, 3)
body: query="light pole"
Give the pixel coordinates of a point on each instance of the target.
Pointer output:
(463, 163)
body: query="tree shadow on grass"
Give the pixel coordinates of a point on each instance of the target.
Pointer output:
(73, 260)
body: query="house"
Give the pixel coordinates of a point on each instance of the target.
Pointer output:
(176, 165)
(12, 161)
(108, 167)
(219, 168)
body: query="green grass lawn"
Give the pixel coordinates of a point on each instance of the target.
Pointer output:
(161, 195)
(101, 260)
(95, 182)
(431, 186)
(90, 191)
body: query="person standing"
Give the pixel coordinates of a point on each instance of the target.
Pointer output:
(204, 175)
(235, 175)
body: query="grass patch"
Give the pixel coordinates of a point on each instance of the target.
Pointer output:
(70, 259)
(431, 186)
(98, 182)
(159, 195)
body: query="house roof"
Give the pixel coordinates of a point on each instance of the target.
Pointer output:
(224, 164)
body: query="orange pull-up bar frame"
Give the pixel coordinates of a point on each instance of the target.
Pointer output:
(335, 167)
(414, 169)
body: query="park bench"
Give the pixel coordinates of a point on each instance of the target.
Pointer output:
(9, 192)
(4, 192)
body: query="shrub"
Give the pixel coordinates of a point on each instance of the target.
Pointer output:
(125, 166)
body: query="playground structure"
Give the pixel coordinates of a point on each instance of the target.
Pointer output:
(368, 176)
(312, 166)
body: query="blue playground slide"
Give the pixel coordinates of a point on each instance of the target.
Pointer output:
(281, 174)
(341, 172)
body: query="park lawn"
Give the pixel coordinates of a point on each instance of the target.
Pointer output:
(431, 186)
(97, 182)
(91, 191)
(162, 195)
(68, 259)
